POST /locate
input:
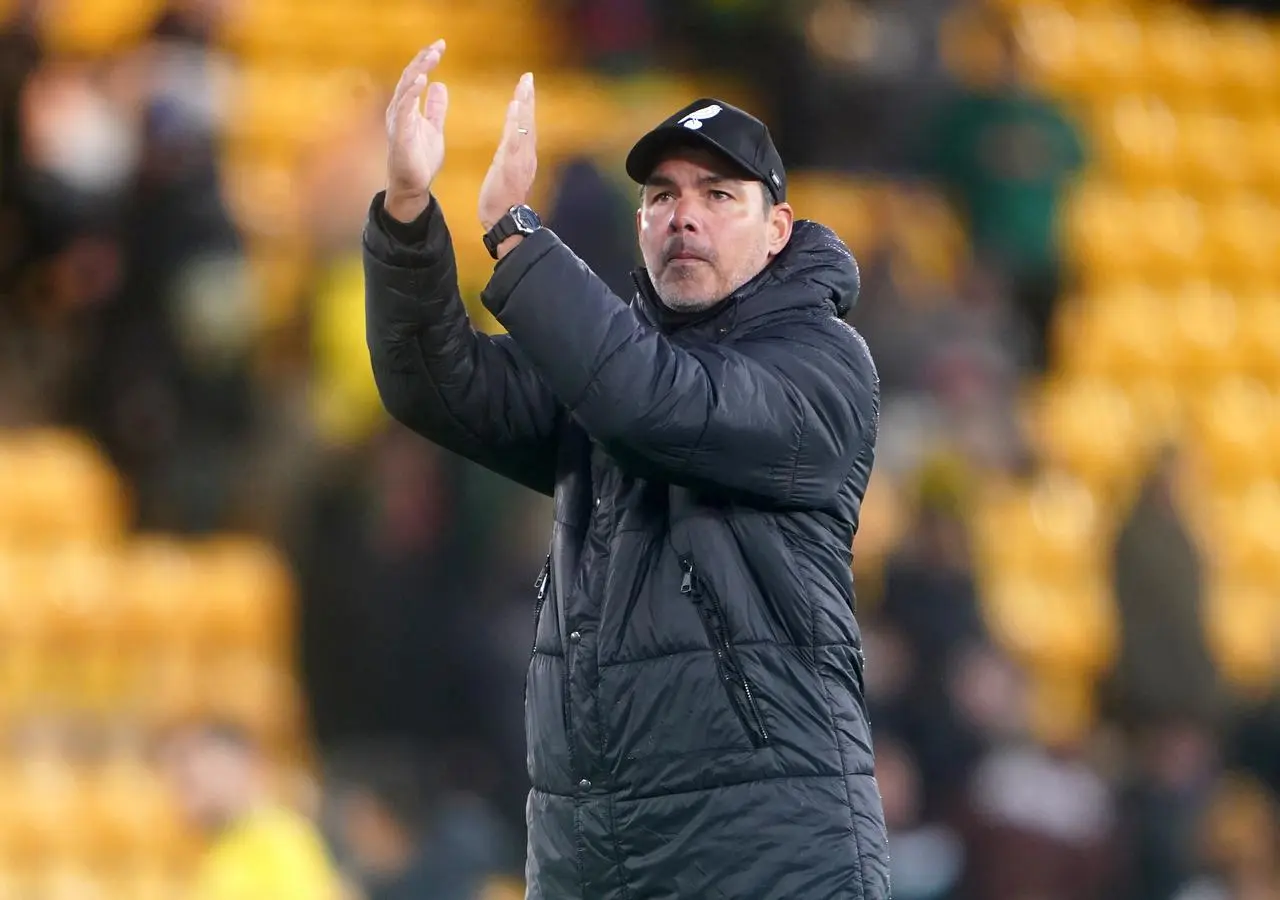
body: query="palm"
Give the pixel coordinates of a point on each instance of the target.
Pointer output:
(420, 151)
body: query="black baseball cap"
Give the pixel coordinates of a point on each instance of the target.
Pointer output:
(712, 123)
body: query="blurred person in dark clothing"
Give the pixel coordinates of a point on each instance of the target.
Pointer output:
(381, 575)
(929, 590)
(928, 856)
(408, 839)
(591, 215)
(1176, 762)
(695, 716)
(168, 384)
(1164, 667)
(1007, 155)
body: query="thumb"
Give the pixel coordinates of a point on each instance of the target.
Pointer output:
(437, 104)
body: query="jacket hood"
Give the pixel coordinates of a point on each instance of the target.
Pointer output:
(815, 267)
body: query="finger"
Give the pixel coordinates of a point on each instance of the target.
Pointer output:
(426, 60)
(408, 75)
(511, 127)
(408, 104)
(525, 112)
(518, 129)
(437, 104)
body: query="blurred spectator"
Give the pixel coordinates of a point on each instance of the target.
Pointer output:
(878, 63)
(593, 216)
(1040, 821)
(1238, 842)
(928, 856)
(1175, 767)
(929, 592)
(1007, 154)
(259, 848)
(408, 838)
(615, 36)
(1164, 666)
(166, 383)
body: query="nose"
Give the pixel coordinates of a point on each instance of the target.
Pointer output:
(683, 217)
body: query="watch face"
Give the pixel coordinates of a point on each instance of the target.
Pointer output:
(526, 220)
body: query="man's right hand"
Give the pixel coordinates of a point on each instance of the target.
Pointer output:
(415, 137)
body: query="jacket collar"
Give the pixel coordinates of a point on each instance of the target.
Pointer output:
(815, 268)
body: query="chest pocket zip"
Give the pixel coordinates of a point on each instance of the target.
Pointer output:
(732, 677)
(540, 585)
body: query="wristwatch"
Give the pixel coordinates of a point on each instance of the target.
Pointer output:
(519, 219)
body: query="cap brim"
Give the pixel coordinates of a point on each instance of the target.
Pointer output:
(650, 150)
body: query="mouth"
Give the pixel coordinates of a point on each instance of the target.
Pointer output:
(686, 257)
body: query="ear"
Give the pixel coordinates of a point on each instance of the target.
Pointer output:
(639, 219)
(781, 219)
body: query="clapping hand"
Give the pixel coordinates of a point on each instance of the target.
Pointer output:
(510, 177)
(415, 136)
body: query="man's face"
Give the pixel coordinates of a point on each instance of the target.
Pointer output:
(705, 232)
(210, 779)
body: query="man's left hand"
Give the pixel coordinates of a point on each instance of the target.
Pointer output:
(510, 177)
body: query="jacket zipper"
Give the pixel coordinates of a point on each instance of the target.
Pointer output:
(540, 585)
(734, 680)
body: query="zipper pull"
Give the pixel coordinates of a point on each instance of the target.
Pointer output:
(686, 583)
(543, 577)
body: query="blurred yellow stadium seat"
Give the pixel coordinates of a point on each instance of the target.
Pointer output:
(1053, 44)
(1089, 428)
(131, 813)
(55, 486)
(1137, 138)
(847, 204)
(43, 810)
(1211, 150)
(1177, 56)
(1245, 61)
(160, 590)
(1236, 422)
(247, 597)
(1051, 527)
(1062, 706)
(1100, 223)
(258, 694)
(1085, 345)
(1171, 233)
(1259, 345)
(70, 880)
(95, 27)
(1064, 625)
(1262, 150)
(1204, 332)
(1242, 628)
(1245, 537)
(1110, 51)
(1243, 237)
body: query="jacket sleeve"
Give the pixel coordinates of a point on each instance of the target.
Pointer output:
(469, 392)
(781, 416)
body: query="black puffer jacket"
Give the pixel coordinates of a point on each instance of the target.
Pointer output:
(694, 711)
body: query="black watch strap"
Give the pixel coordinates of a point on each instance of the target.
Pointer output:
(498, 233)
(509, 225)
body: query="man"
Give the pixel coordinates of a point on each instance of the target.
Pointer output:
(259, 849)
(694, 710)
(409, 841)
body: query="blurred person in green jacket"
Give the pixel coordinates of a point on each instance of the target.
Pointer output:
(1006, 155)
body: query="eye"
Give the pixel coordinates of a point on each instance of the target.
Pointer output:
(660, 196)
(717, 194)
